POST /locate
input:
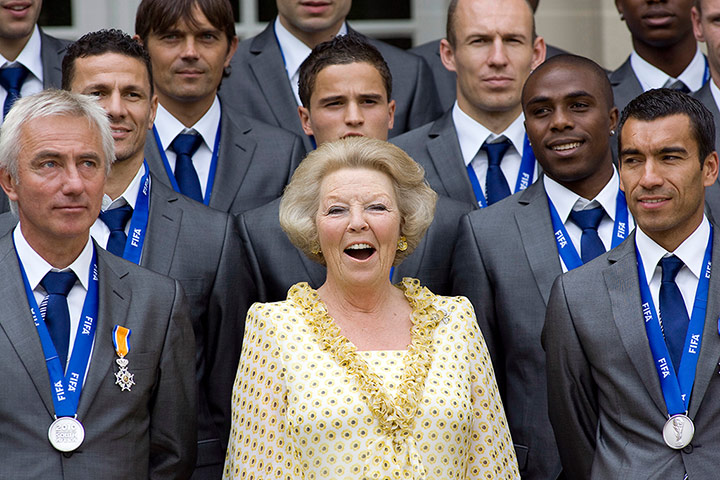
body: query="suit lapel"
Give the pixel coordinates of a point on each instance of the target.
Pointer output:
(163, 228)
(533, 222)
(51, 53)
(235, 154)
(114, 302)
(707, 366)
(704, 95)
(447, 160)
(154, 160)
(18, 325)
(268, 67)
(621, 279)
(625, 84)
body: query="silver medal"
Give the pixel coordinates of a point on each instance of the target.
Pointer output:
(123, 377)
(678, 431)
(66, 434)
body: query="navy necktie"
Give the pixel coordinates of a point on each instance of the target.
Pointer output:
(184, 146)
(496, 185)
(116, 219)
(588, 220)
(11, 79)
(678, 85)
(57, 316)
(673, 313)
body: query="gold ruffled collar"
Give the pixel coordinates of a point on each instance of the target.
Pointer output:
(395, 415)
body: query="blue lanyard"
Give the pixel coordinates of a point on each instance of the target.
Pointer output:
(139, 220)
(525, 174)
(66, 389)
(213, 164)
(567, 250)
(706, 74)
(676, 389)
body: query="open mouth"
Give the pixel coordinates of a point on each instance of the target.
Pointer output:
(566, 146)
(360, 251)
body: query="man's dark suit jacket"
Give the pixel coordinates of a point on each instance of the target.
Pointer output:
(259, 86)
(435, 146)
(606, 405)
(147, 432)
(255, 162)
(444, 78)
(277, 265)
(505, 262)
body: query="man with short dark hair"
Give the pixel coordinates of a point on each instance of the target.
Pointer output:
(146, 222)
(98, 354)
(203, 147)
(477, 152)
(632, 338)
(508, 255)
(264, 80)
(665, 52)
(345, 86)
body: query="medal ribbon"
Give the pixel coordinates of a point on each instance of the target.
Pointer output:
(66, 390)
(121, 340)
(525, 174)
(139, 220)
(567, 250)
(211, 173)
(676, 389)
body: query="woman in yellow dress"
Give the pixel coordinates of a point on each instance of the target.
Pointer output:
(362, 379)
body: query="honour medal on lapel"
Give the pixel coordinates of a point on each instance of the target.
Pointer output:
(66, 434)
(678, 431)
(121, 341)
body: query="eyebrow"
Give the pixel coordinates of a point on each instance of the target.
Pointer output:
(671, 149)
(545, 99)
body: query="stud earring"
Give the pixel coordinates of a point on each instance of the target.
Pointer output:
(612, 132)
(402, 244)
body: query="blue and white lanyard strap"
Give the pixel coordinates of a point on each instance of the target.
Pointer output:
(676, 389)
(525, 174)
(66, 388)
(213, 164)
(139, 220)
(566, 249)
(706, 73)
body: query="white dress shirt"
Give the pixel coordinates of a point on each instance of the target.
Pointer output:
(36, 267)
(294, 53)
(30, 57)
(471, 136)
(169, 127)
(565, 201)
(99, 231)
(652, 77)
(691, 252)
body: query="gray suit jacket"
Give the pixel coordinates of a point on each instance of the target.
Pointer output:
(444, 78)
(435, 146)
(201, 249)
(625, 84)
(147, 432)
(255, 162)
(277, 265)
(505, 262)
(259, 86)
(607, 407)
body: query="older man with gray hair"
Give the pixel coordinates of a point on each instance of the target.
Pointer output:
(82, 400)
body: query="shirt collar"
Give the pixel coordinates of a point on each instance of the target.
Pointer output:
(691, 251)
(294, 51)
(565, 200)
(169, 127)
(36, 267)
(30, 56)
(652, 77)
(129, 196)
(472, 134)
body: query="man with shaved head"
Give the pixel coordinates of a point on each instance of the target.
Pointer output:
(508, 255)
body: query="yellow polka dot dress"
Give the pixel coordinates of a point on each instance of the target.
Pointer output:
(307, 405)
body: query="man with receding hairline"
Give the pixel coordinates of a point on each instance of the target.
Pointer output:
(477, 151)
(507, 255)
